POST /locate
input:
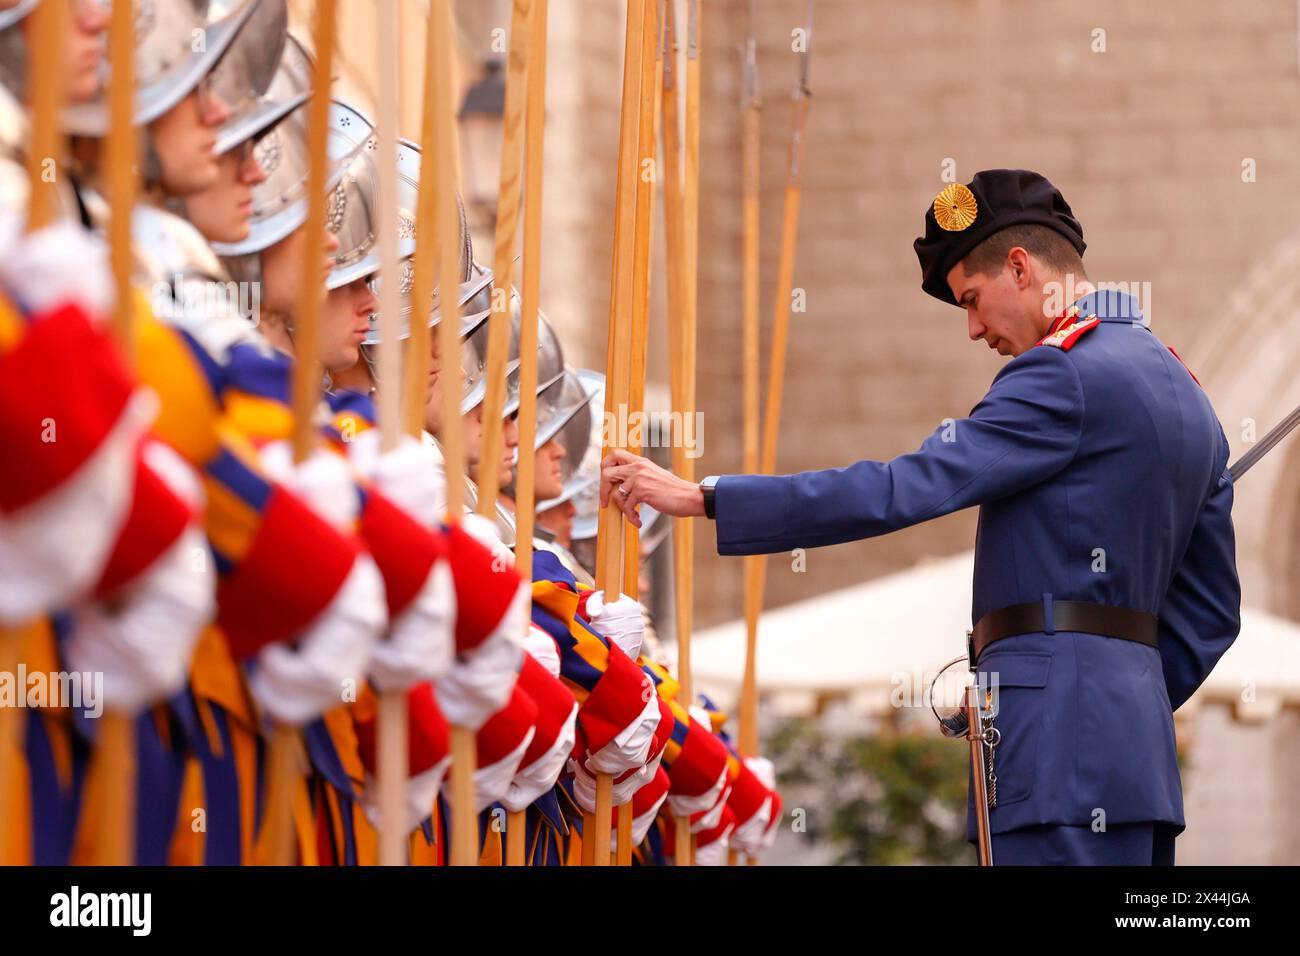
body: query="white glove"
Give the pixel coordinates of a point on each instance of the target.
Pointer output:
(543, 649)
(715, 853)
(631, 745)
(144, 648)
(420, 792)
(532, 781)
(763, 769)
(480, 683)
(621, 621)
(770, 836)
(296, 685)
(641, 824)
(714, 815)
(749, 837)
(492, 783)
(584, 785)
(324, 481)
(53, 550)
(421, 640)
(410, 475)
(58, 264)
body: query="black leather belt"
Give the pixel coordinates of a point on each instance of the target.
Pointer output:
(1083, 616)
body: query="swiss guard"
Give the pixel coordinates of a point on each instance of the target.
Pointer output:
(1105, 584)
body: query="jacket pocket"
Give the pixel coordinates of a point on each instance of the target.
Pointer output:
(1018, 682)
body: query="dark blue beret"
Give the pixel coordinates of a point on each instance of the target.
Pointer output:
(961, 217)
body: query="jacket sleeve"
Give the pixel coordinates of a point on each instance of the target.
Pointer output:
(1024, 431)
(1201, 613)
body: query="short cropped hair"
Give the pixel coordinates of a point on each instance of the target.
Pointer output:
(1042, 242)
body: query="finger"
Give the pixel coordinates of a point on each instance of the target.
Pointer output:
(609, 478)
(617, 473)
(624, 492)
(631, 509)
(627, 505)
(619, 456)
(623, 501)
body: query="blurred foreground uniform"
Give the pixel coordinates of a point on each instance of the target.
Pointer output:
(1104, 561)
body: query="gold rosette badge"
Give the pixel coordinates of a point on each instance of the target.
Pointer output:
(955, 208)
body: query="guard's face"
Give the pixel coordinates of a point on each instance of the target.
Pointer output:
(222, 211)
(346, 320)
(282, 269)
(509, 449)
(83, 49)
(473, 439)
(999, 309)
(183, 138)
(433, 407)
(560, 521)
(435, 365)
(549, 475)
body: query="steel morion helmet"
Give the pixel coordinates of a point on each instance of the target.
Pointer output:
(353, 205)
(550, 354)
(280, 201)
(244, 75)
(15, 13)
(473, 363)
(558, 407)
(474, 302)
(175, 49)
(582, 437)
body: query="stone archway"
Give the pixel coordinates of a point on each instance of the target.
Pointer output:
(1249, 362)
(1248, 359)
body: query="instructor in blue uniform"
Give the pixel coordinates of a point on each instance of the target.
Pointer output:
(1105, 580)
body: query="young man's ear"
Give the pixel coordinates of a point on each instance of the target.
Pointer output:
(1019, 263)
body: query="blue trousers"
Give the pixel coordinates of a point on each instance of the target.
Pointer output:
(1123, 844)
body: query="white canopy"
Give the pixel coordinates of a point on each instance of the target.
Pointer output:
(876, 641)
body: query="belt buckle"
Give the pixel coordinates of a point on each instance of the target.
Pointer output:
(970, 648)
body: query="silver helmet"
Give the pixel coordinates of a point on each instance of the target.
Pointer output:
(358, 255)
(175, 49)
(550, 354)
(244, 74)
(582, 438)
(475, 280)
(557, 411)
(354, 214)
(11, 15)
(473, 363)
(478, 308)
(474, 302)
(280, 201)
(13, 48)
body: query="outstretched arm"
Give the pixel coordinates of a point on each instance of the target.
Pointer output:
(1024, 431)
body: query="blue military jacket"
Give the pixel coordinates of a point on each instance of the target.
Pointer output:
(1101, 475)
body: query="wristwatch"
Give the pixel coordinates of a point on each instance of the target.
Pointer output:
(709, 488)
